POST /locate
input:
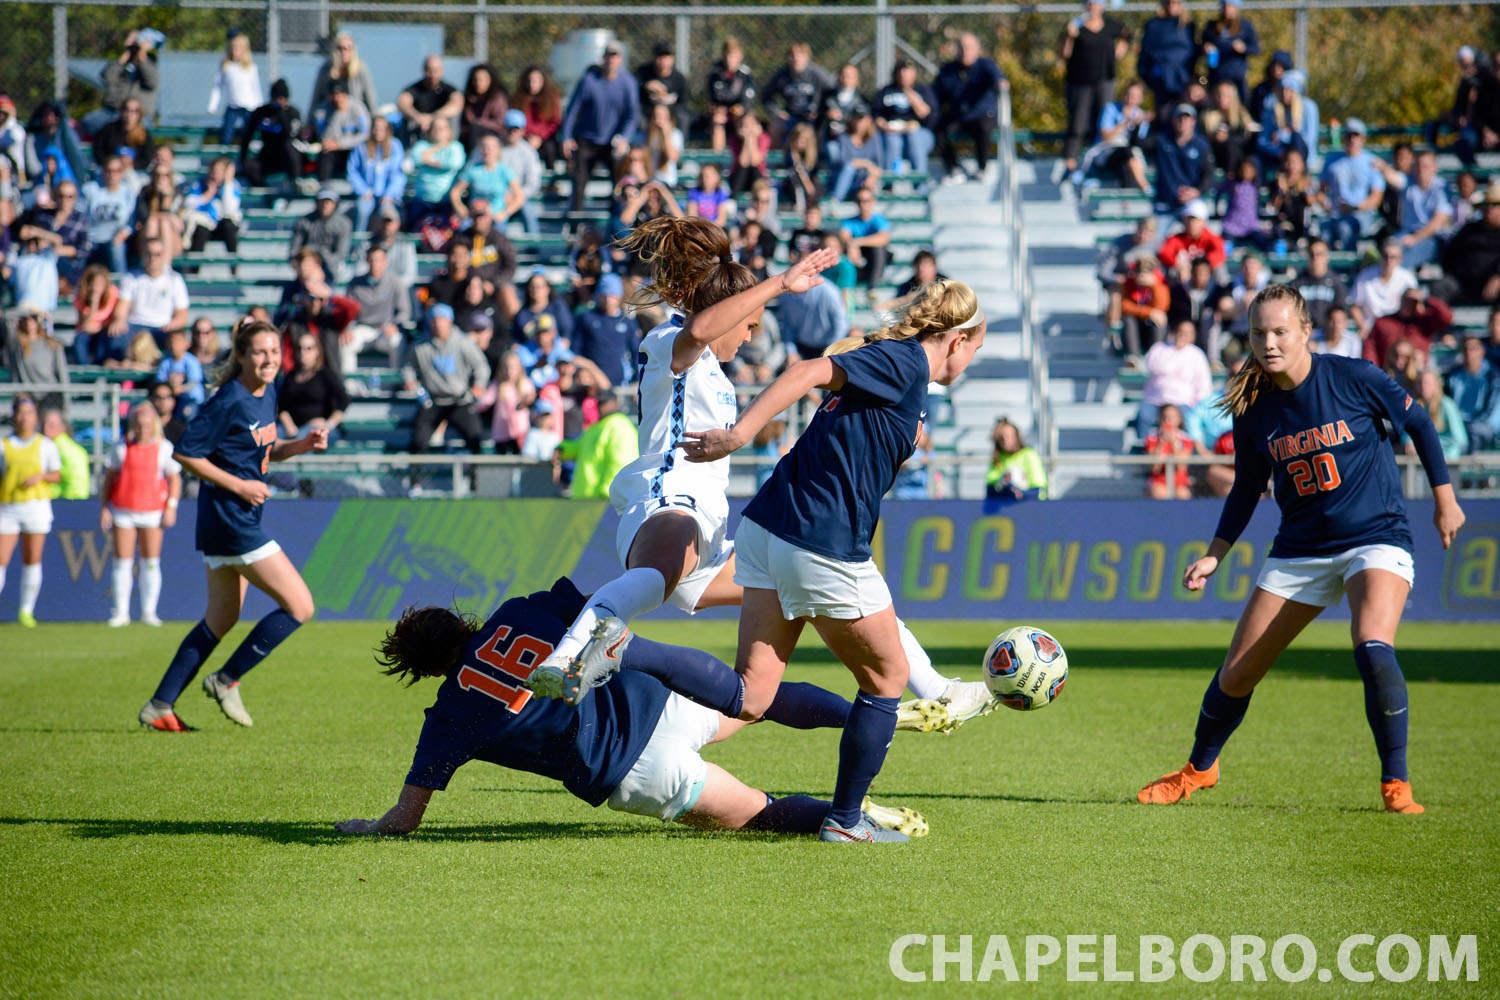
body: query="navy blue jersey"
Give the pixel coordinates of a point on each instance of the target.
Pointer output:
(234, 430)
(484, 711)
(824, 495)
(1325, 447)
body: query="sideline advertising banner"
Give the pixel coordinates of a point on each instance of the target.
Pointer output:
(1080, 559)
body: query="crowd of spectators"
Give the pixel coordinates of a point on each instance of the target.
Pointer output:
(493, 351)
(1381, 246)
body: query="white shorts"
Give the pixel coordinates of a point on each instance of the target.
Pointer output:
(244, 558)
(26, 517)
(135, 518)
(714, 549)
(1320, 580)
(807, 584)
(668, 778)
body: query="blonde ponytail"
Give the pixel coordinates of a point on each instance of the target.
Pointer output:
(1245, 387)
(939, 307)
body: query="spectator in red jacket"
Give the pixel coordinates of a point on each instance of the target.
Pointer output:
(1144, 299)
(1194, 240)
(1422, 319)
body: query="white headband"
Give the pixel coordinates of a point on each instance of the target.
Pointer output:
(972, 321)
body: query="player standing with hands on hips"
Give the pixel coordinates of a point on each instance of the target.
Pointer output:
(1314, 424)
(803, 545)
(228, 446)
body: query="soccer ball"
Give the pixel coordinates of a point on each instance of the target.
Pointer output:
(1025, 668)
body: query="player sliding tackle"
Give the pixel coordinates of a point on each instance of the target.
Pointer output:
(673, 537)
(633, 744)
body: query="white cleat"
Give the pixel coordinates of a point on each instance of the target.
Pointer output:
(598, 660)
(151, 620)
(227, 694)
(967, 700)
(119, 621)
(898, 818)
(549, 677)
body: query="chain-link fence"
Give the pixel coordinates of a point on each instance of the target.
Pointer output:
(1386, 61)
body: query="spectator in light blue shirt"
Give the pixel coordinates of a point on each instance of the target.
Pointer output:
(375, 173)
(1352, 188)
(181, 370)
(110, 206)
(811, 321)
(1426, 211)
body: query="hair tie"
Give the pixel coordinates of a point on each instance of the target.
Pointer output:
(726, 258)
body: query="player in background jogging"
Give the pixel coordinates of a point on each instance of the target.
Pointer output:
(29, 465)
(228, 446)
(803, 545)
(142, 485)
(633, 744)
(1315, 426)
(672, 537)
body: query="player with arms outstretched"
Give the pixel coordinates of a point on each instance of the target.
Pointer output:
(228, 446)
(1314, 425)
(633, 744)
(672, 538)
(804, 541)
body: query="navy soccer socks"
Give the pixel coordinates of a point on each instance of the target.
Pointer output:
(1218, 718)
(267, 634)
(196, 647)
(1385, 705)
(692, 673)
(807, 706)
(867, 736)
(790, 814)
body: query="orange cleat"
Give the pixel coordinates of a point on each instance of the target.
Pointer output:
(1178, 786)
(1397, 795)
(163, 720)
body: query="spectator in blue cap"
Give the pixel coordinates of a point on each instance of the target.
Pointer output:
(1289, 121)
(525, 166)
(605, 335)
(1265, 91)
(1352, 189)
(448, 372)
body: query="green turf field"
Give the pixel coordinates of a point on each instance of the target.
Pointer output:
(206, 865)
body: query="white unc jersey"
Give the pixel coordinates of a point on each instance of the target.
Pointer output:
(699, 399)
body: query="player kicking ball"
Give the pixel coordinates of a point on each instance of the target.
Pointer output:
(633, 745)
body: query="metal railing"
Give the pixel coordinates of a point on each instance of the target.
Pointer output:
(97, 403)
(451, 476)
(1021, 278)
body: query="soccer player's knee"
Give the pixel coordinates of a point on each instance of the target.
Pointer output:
(1236, 680)
(755, 705)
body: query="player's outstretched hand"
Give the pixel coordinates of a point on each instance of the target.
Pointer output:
(708, 446)
(804, 274)
(253, 492)
(317, 439)
(1448, 518)
(1199, 572)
